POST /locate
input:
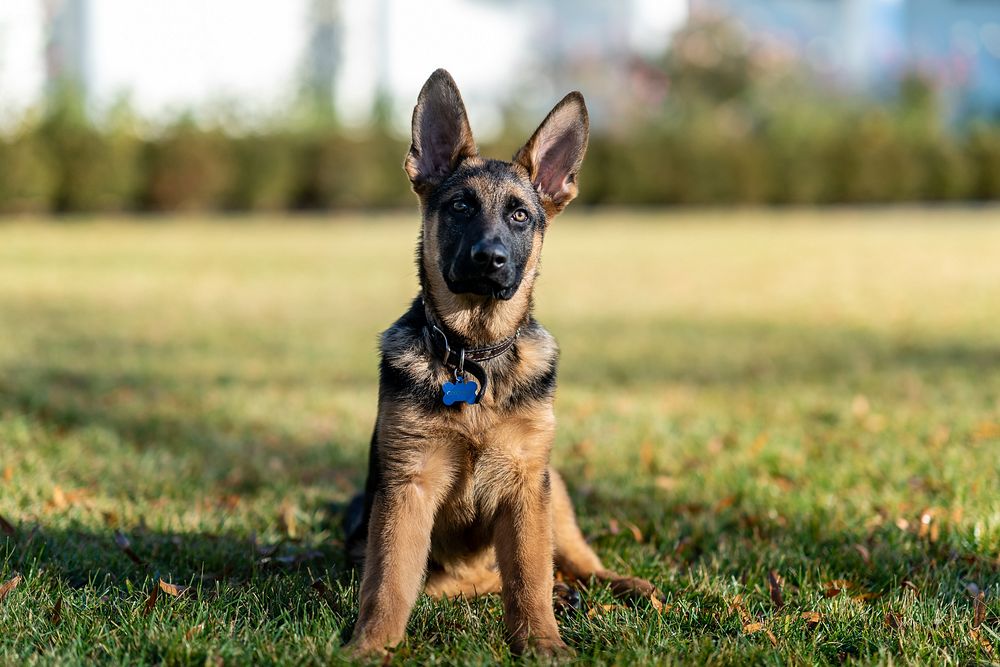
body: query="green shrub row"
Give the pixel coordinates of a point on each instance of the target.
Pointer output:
(864, 159)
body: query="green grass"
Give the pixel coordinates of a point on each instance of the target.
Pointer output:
(753, 391)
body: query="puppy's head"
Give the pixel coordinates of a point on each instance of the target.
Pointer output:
(484, 219)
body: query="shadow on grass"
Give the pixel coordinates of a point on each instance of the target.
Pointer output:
(738, 542)
(710, 354)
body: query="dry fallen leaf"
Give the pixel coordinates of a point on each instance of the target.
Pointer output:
(865, 596)
(979, 609)
(9, 586)
(659, 605)
(56, 616)
(126, 547)
(774, 587)
(195, 630)
(751, 628)
(836, 587)
(741, 610)
(8, 474)
(173, 589)
(977, 636)
(58, 498)
(601, 608)
(893, 620)
(771, 638)
(6, 527)
(151, 601)
(812, 618)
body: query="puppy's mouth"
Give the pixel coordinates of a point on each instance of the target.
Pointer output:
(481, 287)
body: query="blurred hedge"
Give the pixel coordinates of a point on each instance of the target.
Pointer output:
(869, 157)
(730, 124)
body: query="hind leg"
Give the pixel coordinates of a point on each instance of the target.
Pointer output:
(575, 558)
(468, 579)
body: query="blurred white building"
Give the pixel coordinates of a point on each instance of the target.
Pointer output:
(868, 44)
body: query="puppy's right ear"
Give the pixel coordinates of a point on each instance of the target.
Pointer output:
(442, 137)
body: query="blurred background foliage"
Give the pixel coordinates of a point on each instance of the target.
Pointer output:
(719, 121)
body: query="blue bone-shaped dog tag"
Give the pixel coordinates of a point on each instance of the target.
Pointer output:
(460, 390)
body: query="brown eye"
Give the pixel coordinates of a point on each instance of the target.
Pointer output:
(520, 215)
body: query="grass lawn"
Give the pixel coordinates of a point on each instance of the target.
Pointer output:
(815, 395)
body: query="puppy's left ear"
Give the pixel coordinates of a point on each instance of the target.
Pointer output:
(554, 153)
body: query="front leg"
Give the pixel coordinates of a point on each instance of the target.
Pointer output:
(522, 539)
(399, 539)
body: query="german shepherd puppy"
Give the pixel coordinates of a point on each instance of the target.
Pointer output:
(460, 497)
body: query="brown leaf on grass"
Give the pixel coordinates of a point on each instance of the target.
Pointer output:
(893, 620)
(110, 518)
(56, 616)
(601, 609)
(771, 637)
(194, 630)
(287, 520)
(147, 609)
(862, 550)
(751, 628)
(865, 596)
(738, 606)
(173, 590)
(836, 587)
(979, 609)
(6, 527)
(774, 587)
(9, 586)
(908, 585)
(659, 605)
(977, 636)
(126, 547)
(8, 473)
(812, 618)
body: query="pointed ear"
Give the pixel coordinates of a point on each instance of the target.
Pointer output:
(442, 137)
(554, 153)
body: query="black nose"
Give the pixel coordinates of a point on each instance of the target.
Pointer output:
(489, 254)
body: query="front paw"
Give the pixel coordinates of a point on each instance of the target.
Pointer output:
(634, 588)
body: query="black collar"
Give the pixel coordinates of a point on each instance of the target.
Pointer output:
(456, 355)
